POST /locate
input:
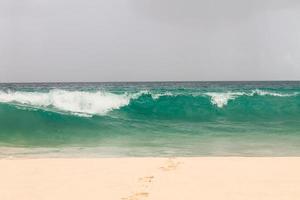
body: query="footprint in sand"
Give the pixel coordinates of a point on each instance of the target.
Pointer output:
(170, 165)
(137, 196)
(144, 182)
(146, 179)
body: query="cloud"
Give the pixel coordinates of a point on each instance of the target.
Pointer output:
(206, 11)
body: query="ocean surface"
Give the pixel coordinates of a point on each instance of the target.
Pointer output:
(150, 119)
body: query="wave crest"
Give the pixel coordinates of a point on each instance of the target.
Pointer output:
(85, 103)
(76, 102)
(221, 99)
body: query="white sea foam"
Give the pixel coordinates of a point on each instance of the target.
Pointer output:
(153, 95)
(221, 99)
(158, 95)
(77, 102)
(268, 93)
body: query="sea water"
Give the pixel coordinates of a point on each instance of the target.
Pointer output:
(150, 119)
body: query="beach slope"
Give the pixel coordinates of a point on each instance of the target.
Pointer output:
(267, 178)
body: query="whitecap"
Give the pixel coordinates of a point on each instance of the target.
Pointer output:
(81, 103)
(221, 99)
(268, 93)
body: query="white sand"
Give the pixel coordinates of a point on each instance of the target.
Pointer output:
(151, 178)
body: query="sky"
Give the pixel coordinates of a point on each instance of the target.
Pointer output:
(149, 40)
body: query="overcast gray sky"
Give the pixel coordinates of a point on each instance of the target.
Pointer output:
(149, 40)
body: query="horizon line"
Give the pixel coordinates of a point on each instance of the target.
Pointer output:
(34, 82)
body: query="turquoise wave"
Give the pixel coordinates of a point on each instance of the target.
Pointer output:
(201, 108)
(152, 120)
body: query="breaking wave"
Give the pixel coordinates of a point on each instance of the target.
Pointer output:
(86, 103)
(76, 102)
(221, 99)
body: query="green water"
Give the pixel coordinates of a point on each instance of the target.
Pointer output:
(150, 119)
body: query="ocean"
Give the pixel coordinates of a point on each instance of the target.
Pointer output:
(150, 119)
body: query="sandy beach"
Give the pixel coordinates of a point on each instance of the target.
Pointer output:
(151, 178)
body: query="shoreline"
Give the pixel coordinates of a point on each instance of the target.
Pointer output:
(151, 178)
